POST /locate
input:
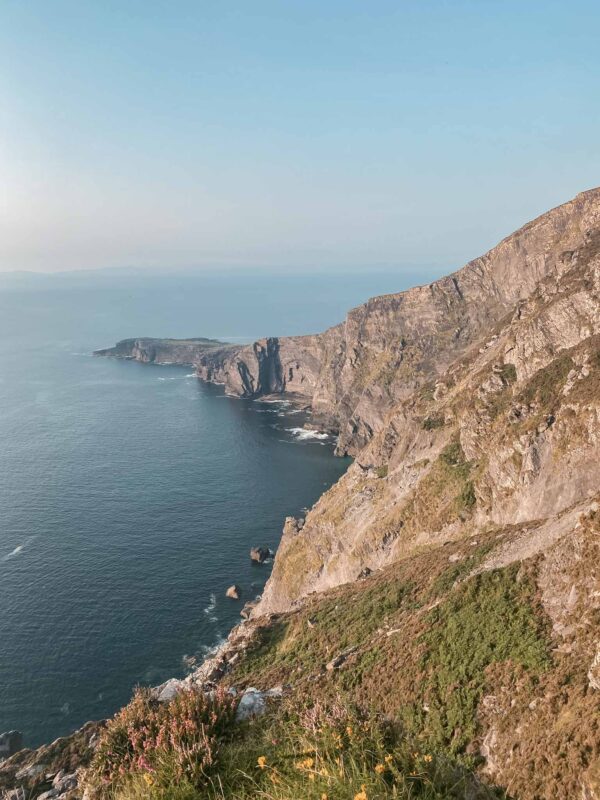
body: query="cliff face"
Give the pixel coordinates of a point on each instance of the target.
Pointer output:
(166, 351)
(504, 432)
(356, 372)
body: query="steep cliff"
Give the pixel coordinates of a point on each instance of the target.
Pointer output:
(507, 433)
(356, 372)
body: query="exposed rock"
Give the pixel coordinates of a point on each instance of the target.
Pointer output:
(253, 702)
(10, 742)
(260, 554)
(594, 671)
(168, 690)
(478, 398)
(234, 592)
(248, 609)
(504, 408)
(51, 770)
(337, 662)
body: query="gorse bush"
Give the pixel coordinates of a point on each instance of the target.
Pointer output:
(162, 743)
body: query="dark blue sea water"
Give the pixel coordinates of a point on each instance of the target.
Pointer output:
(130, 494)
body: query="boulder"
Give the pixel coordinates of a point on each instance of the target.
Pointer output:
(260, 554)
(253, 702)
(10, 743)
(168, 690)
(233, 592)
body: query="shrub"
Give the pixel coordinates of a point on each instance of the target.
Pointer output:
(162, 743)
(489, 619)
(382, 472)
(431, 423)
(508, 373)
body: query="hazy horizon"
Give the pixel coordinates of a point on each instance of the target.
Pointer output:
(288, 137)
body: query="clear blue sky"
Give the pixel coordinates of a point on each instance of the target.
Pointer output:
(291, 135)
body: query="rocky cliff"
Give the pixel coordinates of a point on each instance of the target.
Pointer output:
(505, 433)
(167, 351)
(356, 372)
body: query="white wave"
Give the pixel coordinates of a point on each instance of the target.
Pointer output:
(210, 609)
(209, 650)
(17, 551)
(307, 433)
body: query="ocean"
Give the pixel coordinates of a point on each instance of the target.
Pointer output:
(130, 494)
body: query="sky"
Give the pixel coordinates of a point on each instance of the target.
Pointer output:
(291, 136)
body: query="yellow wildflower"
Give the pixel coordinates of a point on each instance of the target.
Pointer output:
(428, 758)
(149, 779)
(379, 768)
(324, 796)
(349, 731)
(388, 759)
(362, 795)
(262, 762)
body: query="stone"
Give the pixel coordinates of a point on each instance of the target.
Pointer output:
(48, 795)
(252, 704)
(260, 554)
(14, 794)
(10, 743)
(168, 690)
(247, 610)
(64, 782)
(233, 592)
(594, 671)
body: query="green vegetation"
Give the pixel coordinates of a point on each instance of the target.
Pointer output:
(431, 423)
(488, 619)
(382, 472)
(313, 751)
(545, 386)
(508, 373)
(305, 642)
(167, 744)
(458, 571)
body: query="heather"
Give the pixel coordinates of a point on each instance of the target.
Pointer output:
(192, 749)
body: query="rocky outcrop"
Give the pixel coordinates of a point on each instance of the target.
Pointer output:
(260, 554)
(10, 743)
(167, 351)
(51, 772)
